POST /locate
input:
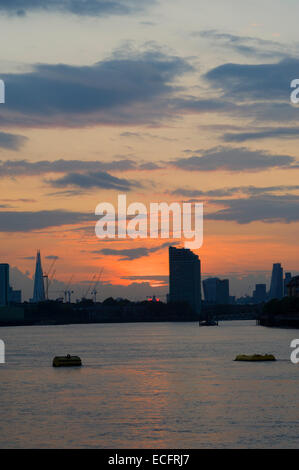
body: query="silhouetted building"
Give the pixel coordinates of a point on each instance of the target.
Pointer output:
(287, 279)
(39, 289)
(216, 291)
(185, 277)
(293, 287)
(260, 293)
(276, 288)
(4, 284)
(15, 296)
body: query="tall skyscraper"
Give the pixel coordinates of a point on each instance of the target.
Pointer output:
(216, 291)
(39, 289)
(276, 288)
(4, 284)
(185, 277)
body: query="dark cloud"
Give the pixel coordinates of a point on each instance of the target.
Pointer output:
(237, 190)
(77, 7)
(150, 166)
(266, 208)
(12, 141)
(12, 221)
(247, 45)
(146, 135)
(269, 133)
(261, 82)
(236, 106)
(130, 254)
(134, 89)
(52, 257)
(27, 168)
(193, 193)
(233, 160)
(26, 200)
(251, 91)
(98, 179)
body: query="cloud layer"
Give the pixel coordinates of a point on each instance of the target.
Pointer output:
(132, 89)
(90, 180)
(233, 160)
(11, 141)
(40, 167)
(247, 45)
(27, 221)
(266, 208)
(130, 254)
(77, 7)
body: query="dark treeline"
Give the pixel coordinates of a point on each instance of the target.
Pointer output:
(284, 312)
(122, 310)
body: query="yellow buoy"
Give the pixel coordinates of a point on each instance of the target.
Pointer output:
(66, 361)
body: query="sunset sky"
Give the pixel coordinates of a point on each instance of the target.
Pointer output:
(161, 100)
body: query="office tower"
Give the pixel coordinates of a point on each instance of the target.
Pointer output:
(185, 278)
(216, 291)
(276, 288)
(260, 293)
(39, 289)
(287, 279)
(210, 290)
(4, 284)
(223, 292)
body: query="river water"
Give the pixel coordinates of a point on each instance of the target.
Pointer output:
(148, 385)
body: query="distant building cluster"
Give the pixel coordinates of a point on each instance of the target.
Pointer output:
(185, 284)
(216, 291)
(8, 295)
(293, 287)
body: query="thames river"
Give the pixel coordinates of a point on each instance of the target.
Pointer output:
(148, 385)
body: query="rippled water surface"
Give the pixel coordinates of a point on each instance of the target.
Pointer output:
(148, 386)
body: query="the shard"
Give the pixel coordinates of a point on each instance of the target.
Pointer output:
(39, 288)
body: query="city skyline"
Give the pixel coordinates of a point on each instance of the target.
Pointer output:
(43, 285)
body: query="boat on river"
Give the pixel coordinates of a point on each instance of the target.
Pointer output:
(208, 323)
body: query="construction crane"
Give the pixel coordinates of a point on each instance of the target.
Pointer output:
(89, 286)
(94, 291)
(68, 292)
(48, 274)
